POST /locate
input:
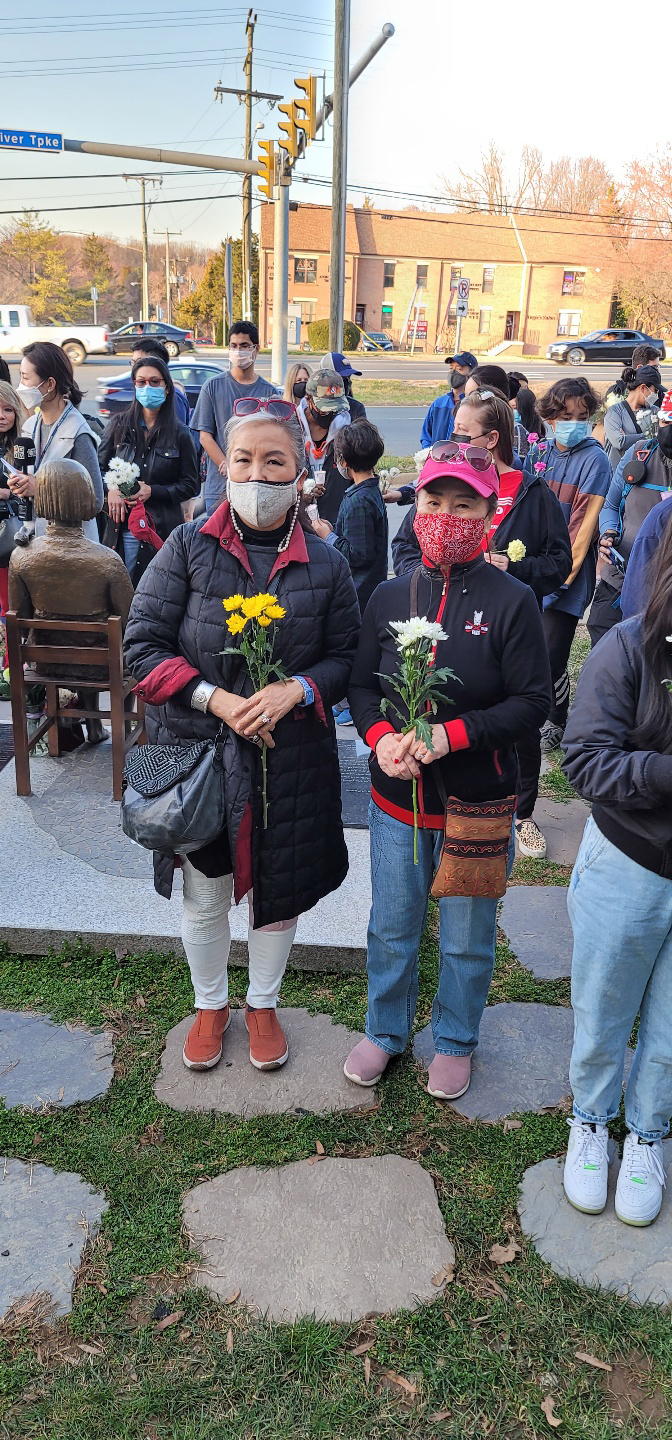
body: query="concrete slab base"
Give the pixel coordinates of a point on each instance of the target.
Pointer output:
(46, 1064)
(311, 1080)
(65, 881)
(338, 1239)
(46, 1219)
(598, 1250)
(536, 924)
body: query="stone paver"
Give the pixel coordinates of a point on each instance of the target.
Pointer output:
(535, 921)
(45, 1220)
(312, 1079)
(521, 1063)
(563, 823)
(598, 1250)
(339, 1239)
(43, 1063)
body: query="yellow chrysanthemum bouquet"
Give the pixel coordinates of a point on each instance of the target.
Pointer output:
(252, 617)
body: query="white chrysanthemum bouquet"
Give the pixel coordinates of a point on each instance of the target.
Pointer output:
(418, 685)
(123, 475)
(420, 457)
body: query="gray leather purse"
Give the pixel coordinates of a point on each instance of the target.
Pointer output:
(174, 799)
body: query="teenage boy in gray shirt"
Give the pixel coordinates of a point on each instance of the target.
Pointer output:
(215, 403)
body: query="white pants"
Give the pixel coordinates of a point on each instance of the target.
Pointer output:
(207, 940)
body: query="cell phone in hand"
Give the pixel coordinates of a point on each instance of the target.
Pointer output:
(617, 560)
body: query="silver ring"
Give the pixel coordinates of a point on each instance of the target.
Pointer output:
(256, 740)
(265, 719)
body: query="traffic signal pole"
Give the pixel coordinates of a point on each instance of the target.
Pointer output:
(247, 182)
(339, 191)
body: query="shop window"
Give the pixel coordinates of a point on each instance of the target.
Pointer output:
(388, 274)
(421, 276)
(573, 282)
(484, 317)
(386, 317)
(569, 322)
(488, 279)
(305, 270)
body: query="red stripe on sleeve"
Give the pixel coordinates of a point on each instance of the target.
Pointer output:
(381, 727)
(456, 731)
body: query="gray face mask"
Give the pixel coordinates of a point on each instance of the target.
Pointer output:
(262, 504)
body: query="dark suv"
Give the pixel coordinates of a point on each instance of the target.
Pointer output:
(174, 339)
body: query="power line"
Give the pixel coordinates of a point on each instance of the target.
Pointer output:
(81, 67)
(126, 204)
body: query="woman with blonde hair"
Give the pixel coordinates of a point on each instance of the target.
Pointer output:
(12, 416)
(296, 380)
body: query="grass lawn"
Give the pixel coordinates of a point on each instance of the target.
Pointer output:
(396, 392)
(487, 1352)
(479, 1361)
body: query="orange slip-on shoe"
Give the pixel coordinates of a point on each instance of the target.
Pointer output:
(203, 1045)
(268, 1045)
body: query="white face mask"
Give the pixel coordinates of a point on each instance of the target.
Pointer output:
(243, 358)
(262, 503)
(31, 395)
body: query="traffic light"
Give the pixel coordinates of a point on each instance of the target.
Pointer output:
(306, 110)
(266, 176)
(289, 129)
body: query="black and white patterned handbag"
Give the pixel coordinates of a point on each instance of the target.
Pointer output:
(174, 798)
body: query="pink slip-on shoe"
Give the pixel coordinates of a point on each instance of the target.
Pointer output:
(449, 1076)
(366, 1063)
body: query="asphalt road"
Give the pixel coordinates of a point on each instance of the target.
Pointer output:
(429, 369)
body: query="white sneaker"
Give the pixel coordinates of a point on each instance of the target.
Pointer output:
(530, 839)
(639, 1191)
(586, 1171)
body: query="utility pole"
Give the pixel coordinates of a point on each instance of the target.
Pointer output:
(247, 182)
(340, 174)
(280, 275)
(169, 234)
(145, 180)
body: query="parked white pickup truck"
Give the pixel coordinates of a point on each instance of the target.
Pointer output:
(18, 329)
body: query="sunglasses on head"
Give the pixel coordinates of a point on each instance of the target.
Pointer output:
(275, 409)
(460, 453)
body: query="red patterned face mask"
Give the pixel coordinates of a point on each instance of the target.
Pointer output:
(449, 539)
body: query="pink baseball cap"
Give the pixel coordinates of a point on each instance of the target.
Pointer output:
(460, 465)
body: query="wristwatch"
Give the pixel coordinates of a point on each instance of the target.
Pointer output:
(201, 696)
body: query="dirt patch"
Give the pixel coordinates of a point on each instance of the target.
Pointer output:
(631, 1392)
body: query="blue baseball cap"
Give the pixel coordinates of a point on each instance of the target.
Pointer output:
(334, 361)
(465, 357)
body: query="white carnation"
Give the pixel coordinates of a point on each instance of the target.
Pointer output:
(409, 632)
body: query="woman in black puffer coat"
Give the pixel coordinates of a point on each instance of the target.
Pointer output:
(176, 632)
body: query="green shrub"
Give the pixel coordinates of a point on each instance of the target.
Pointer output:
(318, 335)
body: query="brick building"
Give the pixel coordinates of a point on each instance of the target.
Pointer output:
(532, 278)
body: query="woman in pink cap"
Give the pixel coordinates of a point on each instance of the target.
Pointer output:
(495, 647)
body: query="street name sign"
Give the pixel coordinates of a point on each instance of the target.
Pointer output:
(30, 140)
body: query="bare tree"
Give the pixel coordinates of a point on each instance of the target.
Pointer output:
(648, 193)
(566, 186)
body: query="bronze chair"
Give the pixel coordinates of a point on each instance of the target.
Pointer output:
(21, 650)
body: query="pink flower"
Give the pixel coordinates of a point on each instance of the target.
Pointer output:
(533, 437)
(539, 467)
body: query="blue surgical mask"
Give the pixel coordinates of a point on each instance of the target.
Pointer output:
(571, 432)
(151, 397)
(516, 417)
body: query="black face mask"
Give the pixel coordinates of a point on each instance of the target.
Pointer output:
(299, 389)
(665, 440)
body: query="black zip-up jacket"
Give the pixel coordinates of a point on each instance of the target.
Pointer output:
(171, 471)
(535, 517)
(630, 789)
(497, 651)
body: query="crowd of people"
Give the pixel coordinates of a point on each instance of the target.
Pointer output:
(265, 509)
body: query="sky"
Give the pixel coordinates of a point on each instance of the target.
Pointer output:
(446, 83)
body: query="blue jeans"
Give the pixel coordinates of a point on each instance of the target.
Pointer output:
(621, 916)
(467, 932)
(131, 550)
